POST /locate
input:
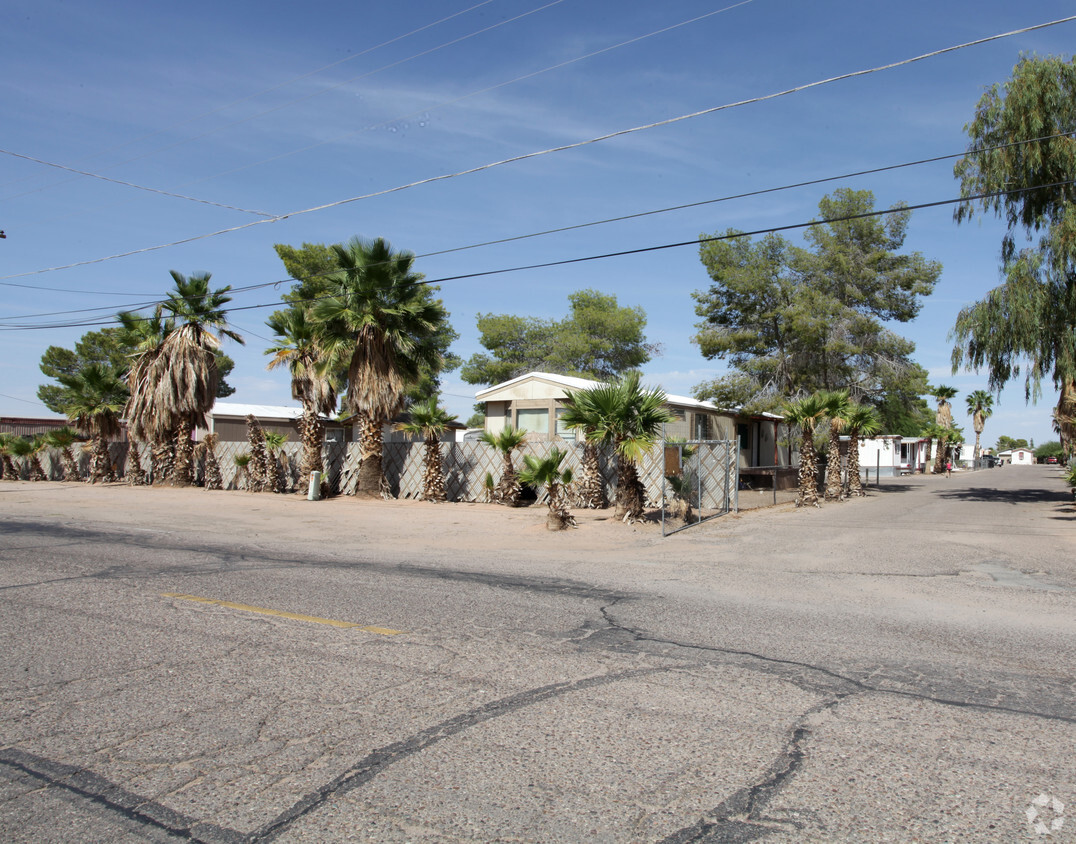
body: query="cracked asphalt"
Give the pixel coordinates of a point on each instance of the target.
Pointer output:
(895, 668)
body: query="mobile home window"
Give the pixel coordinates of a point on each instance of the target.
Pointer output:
(535, 420)
(564, 432)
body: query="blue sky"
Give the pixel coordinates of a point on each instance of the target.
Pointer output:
(280, 107)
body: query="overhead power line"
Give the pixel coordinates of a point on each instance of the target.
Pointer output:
(489, 88)
(550, 150)
(636, 215)
(735, 235)
(427, 109)
(270, 89)
(131, 184)
(332, 87)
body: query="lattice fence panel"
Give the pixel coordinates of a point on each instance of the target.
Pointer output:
(465, 464)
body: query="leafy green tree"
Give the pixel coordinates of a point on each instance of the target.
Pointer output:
(1049, 449)
(791, 320)
(980, 408)
(1005, 443)
(310, 265)
(109, 346)
(1022, 156)
(105, 347)
(598, 339)
(386, 328)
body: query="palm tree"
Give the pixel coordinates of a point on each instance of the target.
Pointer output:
(98, 396)
(178, 386)
(429, 422)
(546, 471)
(275, 478)
(806, 412)
(7, 442)
(206, 450)
(860, 420)
(580, 414)
(64, 439)
(980, 408)
(933, 432)
(838, 407)
(629, 417)
(507, 440)
(242, 462)
(258, 459)
(29, 451)
(311, 381)
(683, 487)
(944, 416)
(145, 335)
(382, 323)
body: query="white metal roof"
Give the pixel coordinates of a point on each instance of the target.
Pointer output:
(260, 411)
(571, 382)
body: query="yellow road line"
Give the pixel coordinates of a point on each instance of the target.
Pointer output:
(383, 631)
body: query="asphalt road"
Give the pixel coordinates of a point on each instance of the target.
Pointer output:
(895, 668)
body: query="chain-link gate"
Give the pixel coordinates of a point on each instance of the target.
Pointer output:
(701, 479)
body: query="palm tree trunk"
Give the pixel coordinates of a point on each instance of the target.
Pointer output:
(433, 481)
(37, 472)
(834, 487)
(559, 517)
(275, 472)
(312, 433)
(939, 461)
(855, 482)
(808, 474)
(590, 487)
(258, 467)
(163, 460)
(134, 473)
(508, 487)
(10, 472)
(630, 495)
(101, 465)
(67, 458)
(371, 482)
(183, 471)
(977, 452)
(213, 479)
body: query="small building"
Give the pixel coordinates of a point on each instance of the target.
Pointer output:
(229, 421)
(1017, 457)
(891, 455)
(536, 403)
